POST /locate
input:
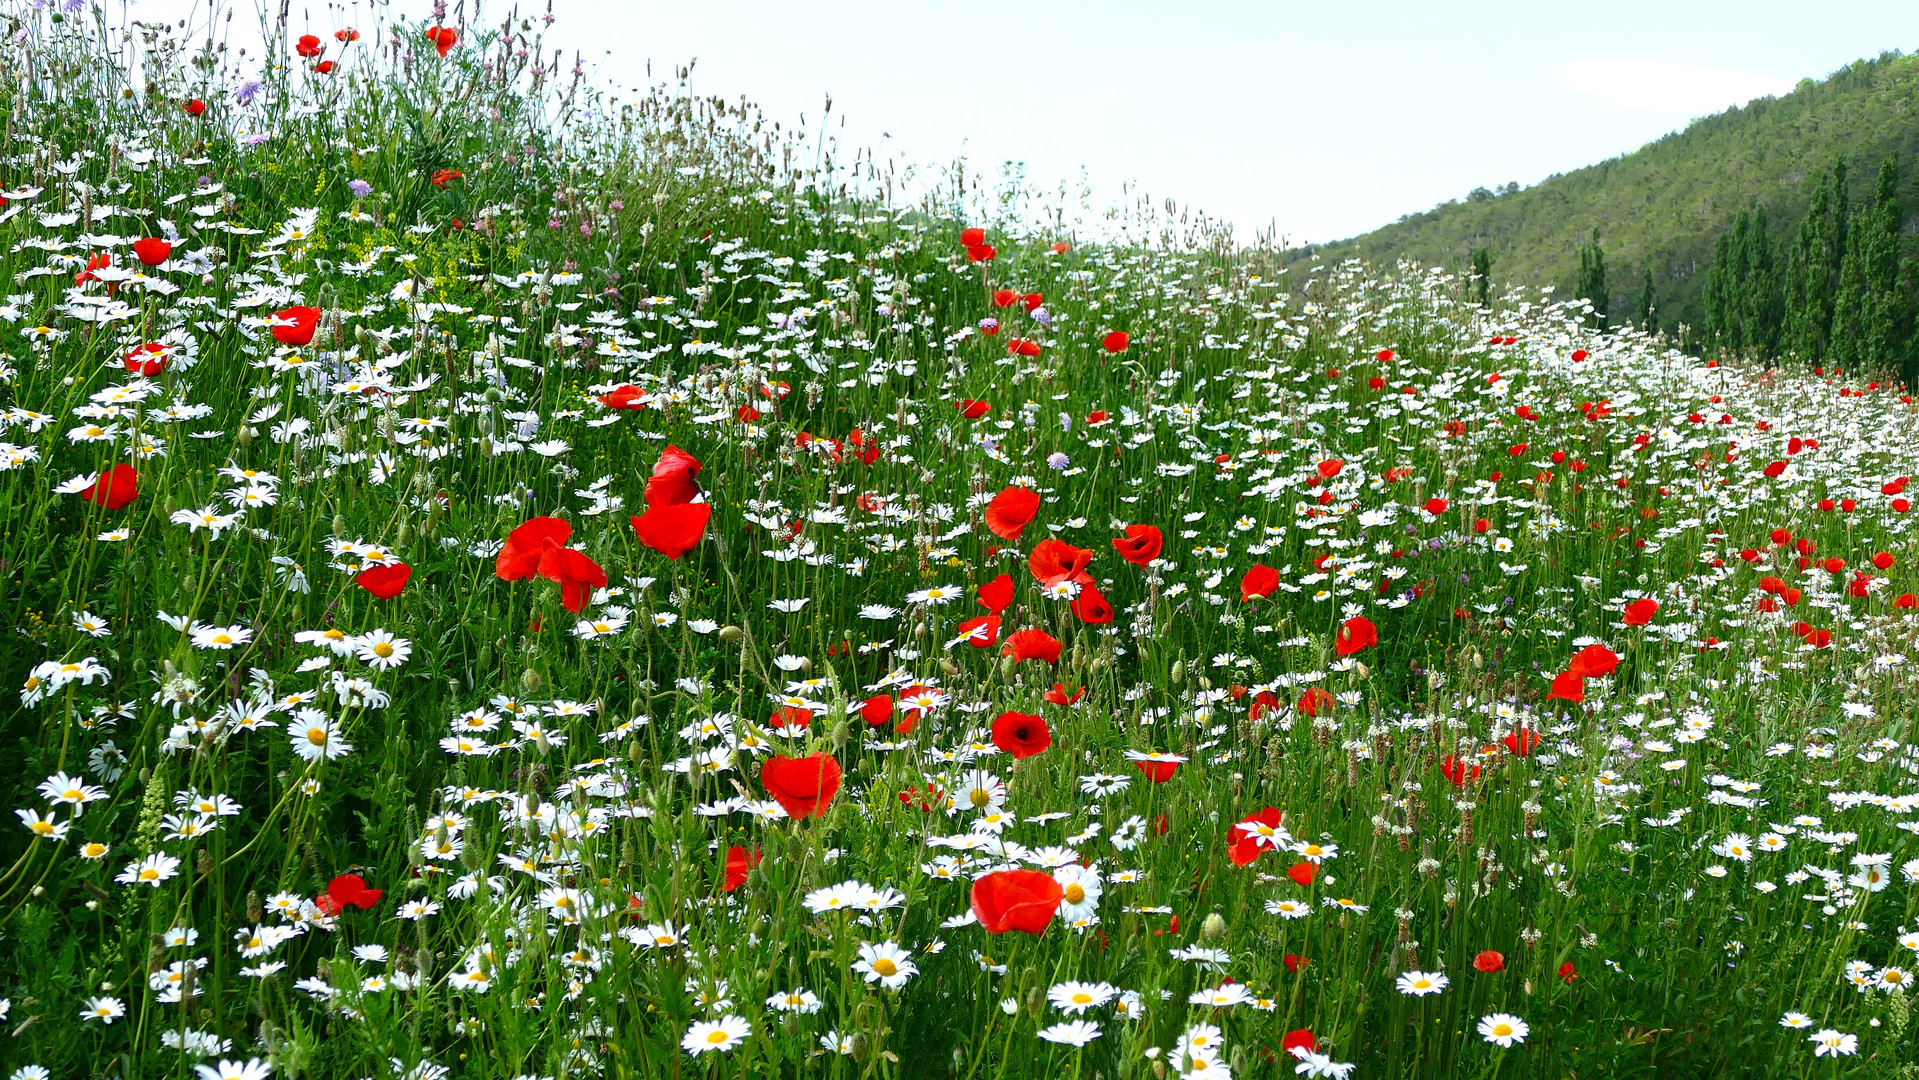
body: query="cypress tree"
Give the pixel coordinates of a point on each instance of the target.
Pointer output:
(1885, 316)
(1592, 278)
(1813, 274)
(1646, 309)
(1762, 309)
(1843, 344)
(1482, 283)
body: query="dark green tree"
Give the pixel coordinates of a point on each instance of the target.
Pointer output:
(1591, 284)
(1761, 305)
(1482, 279)
(1885, 315)
(1647, 310)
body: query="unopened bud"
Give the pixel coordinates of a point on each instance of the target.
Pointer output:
(1213, 927)
(731, 634)
(530, 681)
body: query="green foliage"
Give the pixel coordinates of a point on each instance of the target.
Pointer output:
(1663, 207)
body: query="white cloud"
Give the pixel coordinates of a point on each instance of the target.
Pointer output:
(1675, 89)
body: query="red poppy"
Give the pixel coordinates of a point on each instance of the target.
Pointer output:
(739, 863)
(309, 46)
(443, 177)
(296, 325)
(325, 67)
(1315, 701)
(1294, 963)
(996, 594)
(1906, 600)
(1436, 506)
(1022, 347)
(673, 530)
(152, 251)
(577, 574)
(1568, 972)
(1032, 644)
(1457, 770)
(1033, 300)
(1140, 545)
(349, 34)
(1303, 872)
(520, 557)
(1489, 961)
(1011, 511)
(194, 107)
(1005, 298)
(1260, 581)
(971, 409)
(1330, 468)
(1059, 695)
(972, 237)
(1299, 1039)
(443, 39)
(1593, 662)
(969, 630)
(1640, 612)
(790, 716)
(981, 253)
(877, 710)
(114, 488)
(1023, 900)
(349, 890)
(385, 581)
(1116, 341)
(1020, 734)
(1053, 561)
(625, 398)
(747, 414)
(1521, 741)
(804, 786)
(147, 360)
(1355, 634)
(1158, 771)
(1090, 606)
(673, 480)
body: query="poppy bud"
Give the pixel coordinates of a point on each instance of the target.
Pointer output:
(731, 634)
(530, 681)
(1179, 671)
(1213, 927)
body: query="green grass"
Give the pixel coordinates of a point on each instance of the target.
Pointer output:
(672, 245)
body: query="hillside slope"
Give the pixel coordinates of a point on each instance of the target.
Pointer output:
(1661, 207)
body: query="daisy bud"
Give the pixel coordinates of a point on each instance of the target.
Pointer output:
(530, 681)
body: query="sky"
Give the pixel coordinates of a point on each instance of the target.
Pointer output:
(1320, 120)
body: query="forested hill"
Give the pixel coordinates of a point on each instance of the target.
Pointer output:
(1661, 207)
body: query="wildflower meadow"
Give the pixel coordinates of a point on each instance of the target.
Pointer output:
(506, 578)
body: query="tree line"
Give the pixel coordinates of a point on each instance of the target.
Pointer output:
(1836, 291)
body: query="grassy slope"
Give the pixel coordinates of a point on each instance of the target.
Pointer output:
(1662, 205)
